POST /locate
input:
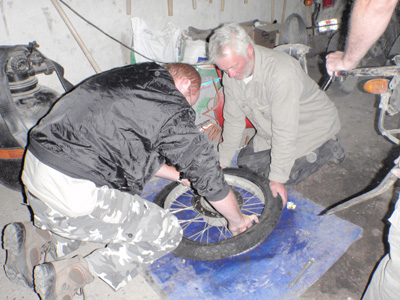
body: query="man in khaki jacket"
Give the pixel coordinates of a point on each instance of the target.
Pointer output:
(296, 123)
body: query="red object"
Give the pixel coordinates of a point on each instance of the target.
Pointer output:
(219, 114)
(328, 3)
(308, 2)
(219, 109)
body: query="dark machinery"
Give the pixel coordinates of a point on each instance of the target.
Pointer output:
(22, 103)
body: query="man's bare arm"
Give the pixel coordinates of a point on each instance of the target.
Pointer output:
(229, 208)
(368, 22)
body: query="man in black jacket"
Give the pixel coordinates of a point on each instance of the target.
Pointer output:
(88, 160)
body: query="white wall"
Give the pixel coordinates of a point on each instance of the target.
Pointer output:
(24, 21)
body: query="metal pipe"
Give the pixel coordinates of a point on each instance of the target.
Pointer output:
(76, 35)
(307, 265)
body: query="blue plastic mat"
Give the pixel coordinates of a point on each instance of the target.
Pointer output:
(265, 272)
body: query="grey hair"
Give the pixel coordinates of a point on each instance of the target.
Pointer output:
(231, 35)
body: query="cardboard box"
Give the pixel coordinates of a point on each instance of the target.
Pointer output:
(262, 33)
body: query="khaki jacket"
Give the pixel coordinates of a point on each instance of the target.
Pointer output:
(291, 114)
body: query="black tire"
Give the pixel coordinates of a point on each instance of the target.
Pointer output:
(294, 30)
(195, 215)
(10, 171)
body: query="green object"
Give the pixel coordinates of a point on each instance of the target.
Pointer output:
(133, 59)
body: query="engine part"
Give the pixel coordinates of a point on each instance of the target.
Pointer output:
(22, 103)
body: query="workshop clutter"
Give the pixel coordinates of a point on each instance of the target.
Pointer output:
(173, 44)
(193, 51)
(262, 33)
(160, 45)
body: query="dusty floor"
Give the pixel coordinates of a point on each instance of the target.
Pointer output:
(369, 157)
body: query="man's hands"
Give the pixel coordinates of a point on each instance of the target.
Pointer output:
(336, 61)
(246, 222)
(229, 208)
(279, 188)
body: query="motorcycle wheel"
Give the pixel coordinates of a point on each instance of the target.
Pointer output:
(294, 30)
(205, 232)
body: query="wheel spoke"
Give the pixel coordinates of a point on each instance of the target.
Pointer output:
(204, 227)
(200, 233)
(223, 232)
(199, 222)
(196, 219)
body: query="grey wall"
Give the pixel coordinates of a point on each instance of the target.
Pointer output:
(23, 21)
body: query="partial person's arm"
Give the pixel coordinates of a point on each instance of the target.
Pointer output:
(284, 90)
(197, 158)
(368, 22)
(229, 208)
(278, 188)
(171, 173)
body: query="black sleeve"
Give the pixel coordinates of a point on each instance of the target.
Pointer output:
(194, 155)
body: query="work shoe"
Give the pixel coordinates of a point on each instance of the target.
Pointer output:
(26, 247)
(60, 280)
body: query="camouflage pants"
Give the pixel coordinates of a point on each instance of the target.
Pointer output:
(134, 231)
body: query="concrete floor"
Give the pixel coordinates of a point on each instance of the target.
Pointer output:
(369, 157)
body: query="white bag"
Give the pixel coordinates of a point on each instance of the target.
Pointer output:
(161, 46)
(193, 51)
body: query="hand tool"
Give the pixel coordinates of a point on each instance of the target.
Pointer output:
(307, 265)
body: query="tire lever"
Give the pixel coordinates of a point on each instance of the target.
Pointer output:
(328, 82)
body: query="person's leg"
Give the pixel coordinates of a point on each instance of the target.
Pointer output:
(26, 246)
(154, 233)
(385, 282)
(45, 218)
(259, 162)
(256, 162)
(135, 231)
(304, 166)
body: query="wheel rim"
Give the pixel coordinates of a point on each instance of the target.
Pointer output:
(198, 219)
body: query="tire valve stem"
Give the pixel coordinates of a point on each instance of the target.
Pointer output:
(306, 266)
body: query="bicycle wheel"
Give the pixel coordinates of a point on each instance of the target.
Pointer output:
(205, 232)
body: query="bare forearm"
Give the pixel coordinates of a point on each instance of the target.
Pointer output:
(368, 22)
(229, 208)
(168, 172)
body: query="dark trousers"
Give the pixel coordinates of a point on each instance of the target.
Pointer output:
(259, 162)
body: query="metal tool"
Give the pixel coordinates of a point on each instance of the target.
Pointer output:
(386, 183)
(306, 266)
(327, 83)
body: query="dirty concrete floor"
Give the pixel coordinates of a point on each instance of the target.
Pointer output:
(369, 157)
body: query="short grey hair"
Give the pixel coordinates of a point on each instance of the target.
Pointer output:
(231, 35)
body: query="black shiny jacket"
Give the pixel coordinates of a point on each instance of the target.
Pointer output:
(118, 128)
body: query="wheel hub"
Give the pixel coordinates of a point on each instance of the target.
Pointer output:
(203, 207)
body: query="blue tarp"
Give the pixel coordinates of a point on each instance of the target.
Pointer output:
(265, 272)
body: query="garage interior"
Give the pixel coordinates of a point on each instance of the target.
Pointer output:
(83, 51)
